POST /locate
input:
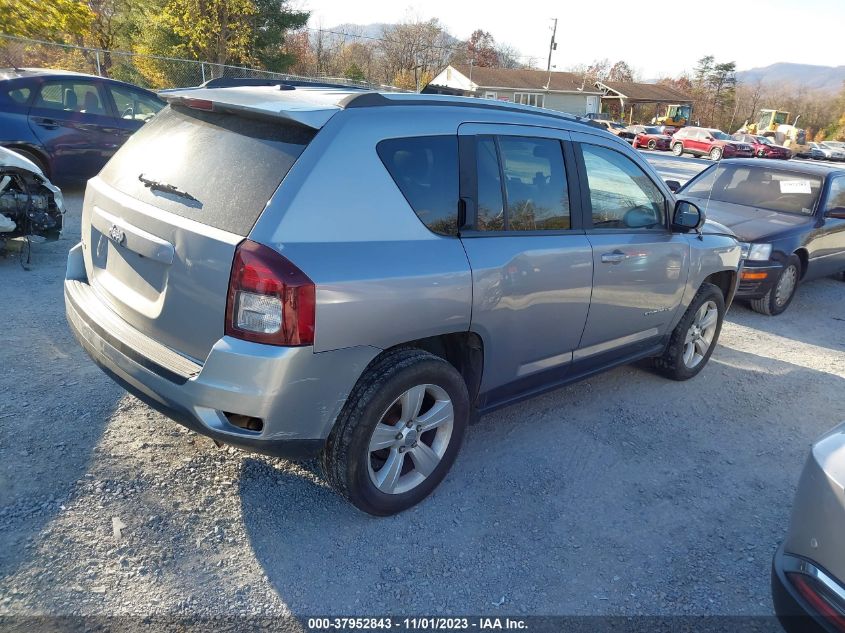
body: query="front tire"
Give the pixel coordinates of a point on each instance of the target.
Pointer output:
(678, 149)
(399, 432)
(715, 154)
(694, 338)
(779, 296)
(652, 144)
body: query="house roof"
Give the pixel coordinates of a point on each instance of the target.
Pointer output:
(644, 93)
(524, 79)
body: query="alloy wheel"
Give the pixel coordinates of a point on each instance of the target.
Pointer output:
(410, 439)
(700, 335)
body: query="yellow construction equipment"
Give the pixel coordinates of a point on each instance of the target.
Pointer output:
(676, 115)
(775, 124)
(767, 121)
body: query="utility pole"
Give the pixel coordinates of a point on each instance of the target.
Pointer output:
(552, 46)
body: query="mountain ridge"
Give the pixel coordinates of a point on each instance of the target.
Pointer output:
(809, 76)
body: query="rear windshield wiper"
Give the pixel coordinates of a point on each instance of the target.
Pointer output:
(155, 185)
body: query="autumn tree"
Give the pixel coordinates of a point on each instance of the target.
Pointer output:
(508, 56)
(620, 71)
(481, 49)
(413, 48)
(56, 20)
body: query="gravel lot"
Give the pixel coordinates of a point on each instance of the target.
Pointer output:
(626, 494)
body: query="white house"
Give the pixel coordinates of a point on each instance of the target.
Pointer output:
(565, 92)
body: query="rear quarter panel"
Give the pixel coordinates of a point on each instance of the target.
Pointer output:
(382, 277)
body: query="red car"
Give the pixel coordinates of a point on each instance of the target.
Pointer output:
(764, 147)
(650, 137)
(702, 141)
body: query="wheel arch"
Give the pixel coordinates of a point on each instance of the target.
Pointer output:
(804, 258)
(724, 280)
(35, 150)
(463, 350)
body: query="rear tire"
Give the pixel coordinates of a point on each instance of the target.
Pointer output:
(678, 149)
(694, 338)
(379, 455)
(782, 293)
(715, 154)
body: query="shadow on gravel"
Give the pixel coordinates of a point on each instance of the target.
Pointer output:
(627, 494)
(54, 403)
(815, 316)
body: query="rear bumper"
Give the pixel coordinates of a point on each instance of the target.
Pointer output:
(295, 392)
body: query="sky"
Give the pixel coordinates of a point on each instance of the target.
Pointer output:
(751, 33)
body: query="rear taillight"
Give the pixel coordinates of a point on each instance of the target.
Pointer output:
(270, 300)
(819, 598)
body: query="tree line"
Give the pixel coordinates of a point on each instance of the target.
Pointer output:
(273, 35)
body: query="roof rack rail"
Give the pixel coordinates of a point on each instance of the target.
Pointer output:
(284, 84)
(375, 99)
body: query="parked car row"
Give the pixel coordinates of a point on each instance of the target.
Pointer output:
(828, 150)
(708, 142)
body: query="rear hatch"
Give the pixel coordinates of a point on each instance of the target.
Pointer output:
(162, 220)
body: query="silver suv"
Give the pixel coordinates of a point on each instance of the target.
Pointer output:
(314, 271)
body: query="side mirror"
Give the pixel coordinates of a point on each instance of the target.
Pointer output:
(674, 185)
(686, 217)
(837, 213)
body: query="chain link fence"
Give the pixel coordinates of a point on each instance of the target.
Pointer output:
(149, 71)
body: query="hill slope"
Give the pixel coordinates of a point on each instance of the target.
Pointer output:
(803, 75)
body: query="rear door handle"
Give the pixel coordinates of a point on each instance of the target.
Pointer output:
(613, 258)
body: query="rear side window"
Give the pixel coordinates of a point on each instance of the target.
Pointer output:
(425, 169)
(71, 96)
(535, 194)
(535, 183)
(230, 164)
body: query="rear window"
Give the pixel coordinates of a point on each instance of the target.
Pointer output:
(425, 169)
(229, 164)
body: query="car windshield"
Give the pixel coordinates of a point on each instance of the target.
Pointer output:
(720, 135)
(764, 140)
(834, 144)
(618, 126)
(653, 130)
(760, 187)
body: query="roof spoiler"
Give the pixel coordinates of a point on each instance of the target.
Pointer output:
(313, 119)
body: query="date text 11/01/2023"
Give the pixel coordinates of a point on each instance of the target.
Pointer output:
(416, 624)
